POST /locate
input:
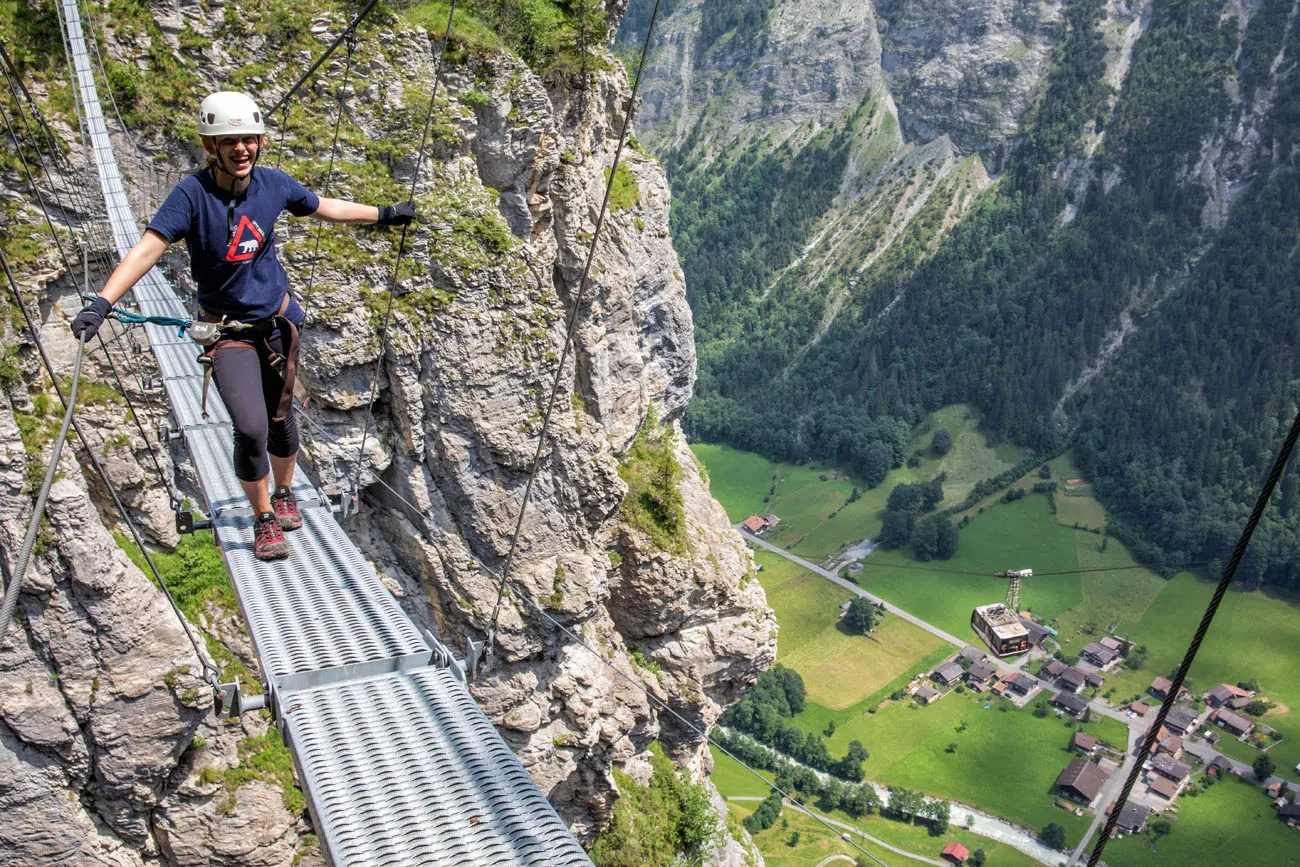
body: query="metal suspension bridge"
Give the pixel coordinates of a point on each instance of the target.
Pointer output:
(398, 763)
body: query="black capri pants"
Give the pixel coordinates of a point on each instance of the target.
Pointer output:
(250, 388)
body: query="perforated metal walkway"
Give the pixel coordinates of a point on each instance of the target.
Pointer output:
(399, 765)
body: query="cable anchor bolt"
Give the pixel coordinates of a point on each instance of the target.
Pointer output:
(232, 702)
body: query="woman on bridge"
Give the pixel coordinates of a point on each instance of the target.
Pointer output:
(226, 213)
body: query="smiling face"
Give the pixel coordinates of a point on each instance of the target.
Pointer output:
(235, 155)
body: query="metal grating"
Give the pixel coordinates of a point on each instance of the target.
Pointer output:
(377, 753)
(399, 765)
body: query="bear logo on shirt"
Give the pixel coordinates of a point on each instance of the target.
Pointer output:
(246, 243)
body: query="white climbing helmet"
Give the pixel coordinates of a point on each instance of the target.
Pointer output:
(230, 113)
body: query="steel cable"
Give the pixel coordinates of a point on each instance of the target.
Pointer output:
(209, 667)
(10, 601)
(1279, 464)
(568, 332)
(401, 250)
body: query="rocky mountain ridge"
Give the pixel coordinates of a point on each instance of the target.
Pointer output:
(509, 199)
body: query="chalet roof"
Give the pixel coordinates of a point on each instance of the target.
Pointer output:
(1111, 643)
(1168, 767)
(971, 653)
(1223, 693)
(754, 523)
(1020, 682)
(1289, 811)
(1237, 702)
(982, 670)
(1164, 787)
(1054, 668)
(1037, 632)
(1095, 679)
(925, 692)
(947, 672)
(1073, 677)
(1132, 817)
(1162, 685)
(1102, 655)
(1070, 701)
(1139, 707)
(1180, 718)
(1221, 762)
(1228, 719)
(1085, 741)
(956, 851)
(1083, 777)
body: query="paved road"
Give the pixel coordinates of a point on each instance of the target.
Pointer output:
(844, 826)
(837, 857)
(852, 588)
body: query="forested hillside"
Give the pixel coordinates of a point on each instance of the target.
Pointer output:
(1127, 286)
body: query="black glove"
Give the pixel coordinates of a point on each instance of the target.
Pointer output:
(396, 215)
(91, 317)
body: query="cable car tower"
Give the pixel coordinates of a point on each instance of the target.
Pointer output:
(1013, 589)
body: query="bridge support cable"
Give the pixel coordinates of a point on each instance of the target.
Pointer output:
(568, 330)
(210, 669)
(11, 75)
(398, 763)
(1225, 580)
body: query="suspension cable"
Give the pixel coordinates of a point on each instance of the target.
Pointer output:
(67, 264)
(401, 250)
(38, 511)
(1279, 464)
(333, 46)
(574, 313)
(329, 169)
(209, 667)
(283, 128)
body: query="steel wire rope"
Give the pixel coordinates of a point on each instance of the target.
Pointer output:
(1230, 570)
(162, 476)
(10, 601)
(569, 328)
(401, 250)
(280, 131)
(209, 667)
(329, 169)
(333, 46)
(103, 74)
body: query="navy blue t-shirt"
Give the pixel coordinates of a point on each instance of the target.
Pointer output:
(232, 250)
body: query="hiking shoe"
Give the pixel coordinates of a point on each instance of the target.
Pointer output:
(268, 539)
(286, 509)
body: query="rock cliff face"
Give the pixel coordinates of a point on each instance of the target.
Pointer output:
(967, 71)
(110, 753)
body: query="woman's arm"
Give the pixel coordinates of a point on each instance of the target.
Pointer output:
(343, 211)
(134, 265)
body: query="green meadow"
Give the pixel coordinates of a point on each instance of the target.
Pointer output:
(816, 843)
(1003, 761)
(1253, 636)
(1019, 535)
(1230, 823)
(817, 519)
(838, 669)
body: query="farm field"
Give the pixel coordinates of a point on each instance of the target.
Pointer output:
(1077, 508)
(838, 669)
(732, 780)
(805, 497)
(1253, 636)
(1231, 823)
(1019, 535)
(816, 843)
(1005, 761)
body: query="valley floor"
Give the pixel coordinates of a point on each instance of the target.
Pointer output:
(988, 753)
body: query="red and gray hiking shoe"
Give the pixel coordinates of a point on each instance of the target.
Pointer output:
(268, 538)
(286, 509)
